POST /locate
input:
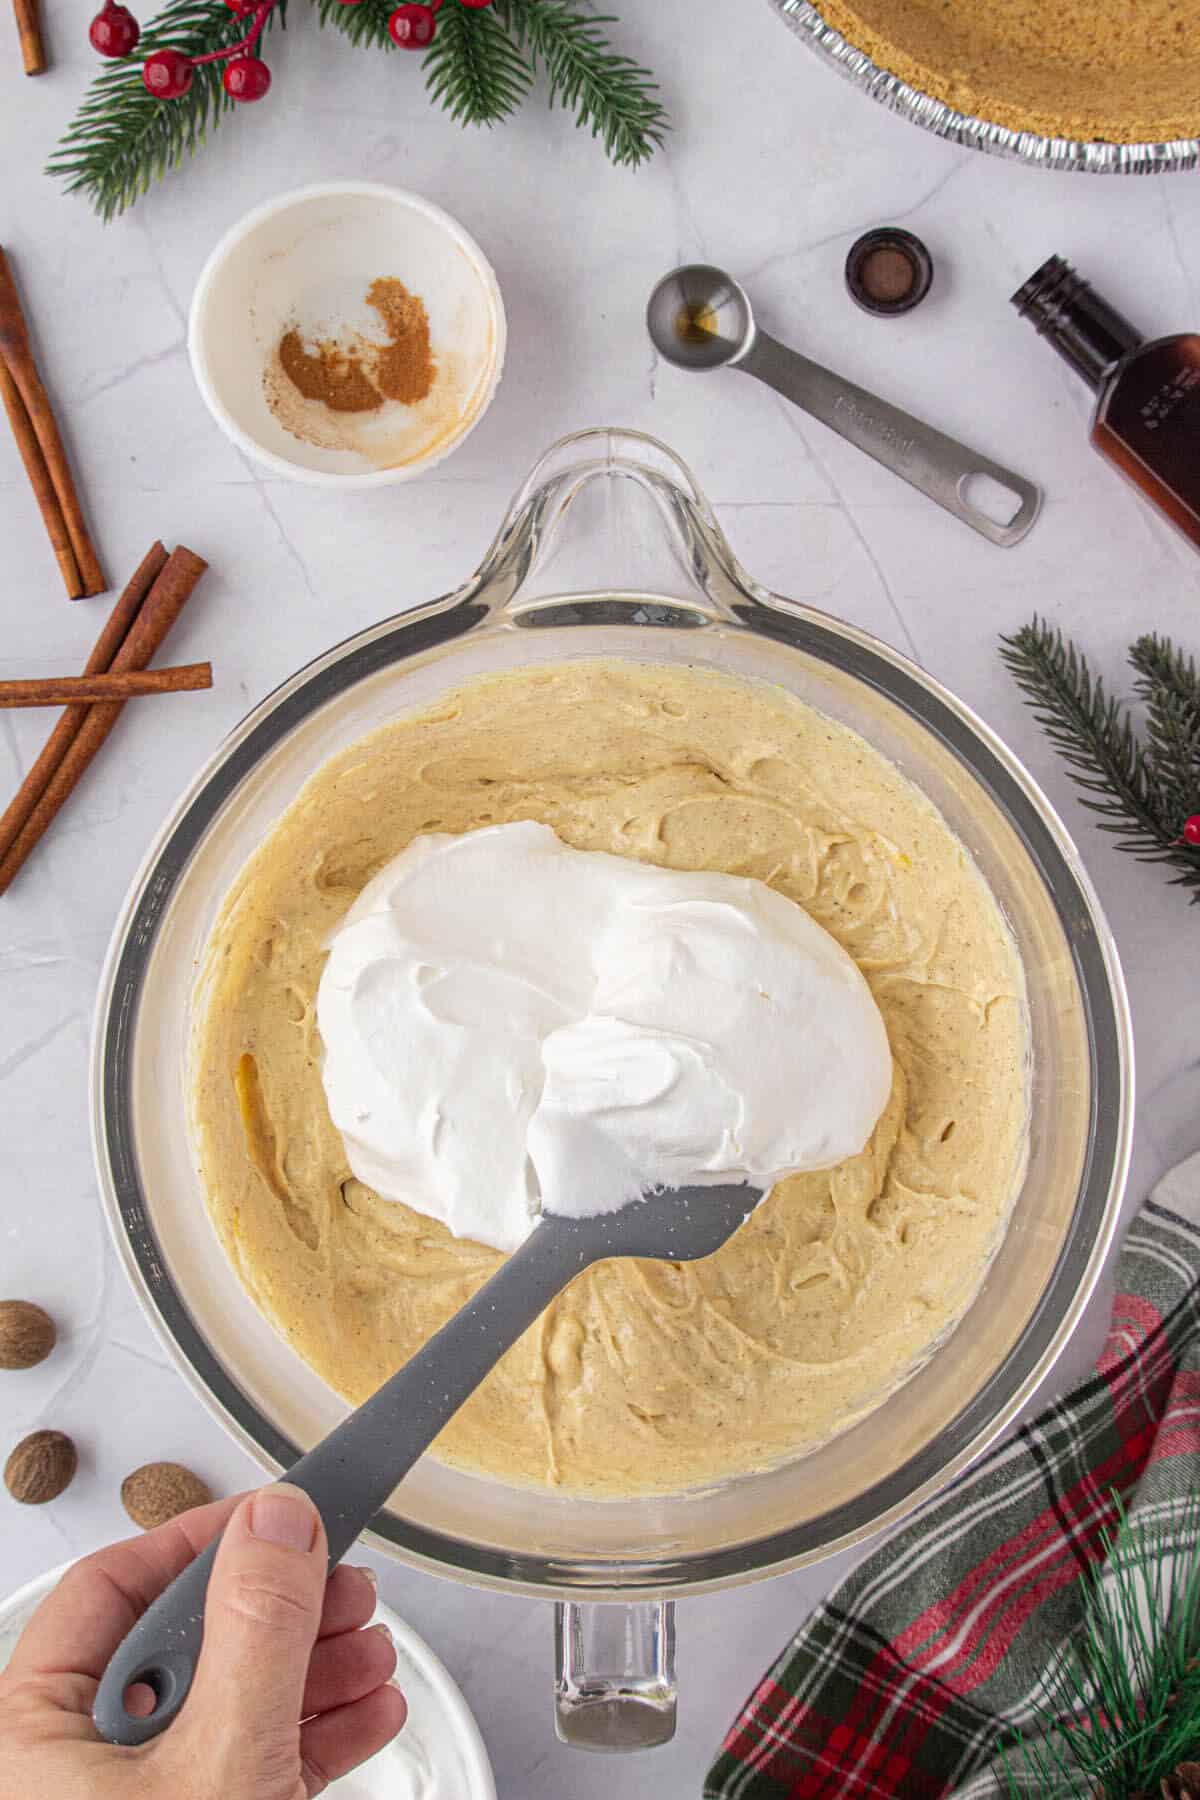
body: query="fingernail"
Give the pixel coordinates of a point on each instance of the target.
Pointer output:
(368, 1574)
(385, 1633)
(285, 1516)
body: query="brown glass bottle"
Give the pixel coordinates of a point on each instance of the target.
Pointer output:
(1147, 417)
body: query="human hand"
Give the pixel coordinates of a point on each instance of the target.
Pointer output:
(282, 1644)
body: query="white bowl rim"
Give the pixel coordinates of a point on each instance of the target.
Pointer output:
(249, 223)
(408, 1642)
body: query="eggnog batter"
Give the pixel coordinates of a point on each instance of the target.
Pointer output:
(642, 1376)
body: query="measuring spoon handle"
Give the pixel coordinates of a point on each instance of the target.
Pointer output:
(927, 459)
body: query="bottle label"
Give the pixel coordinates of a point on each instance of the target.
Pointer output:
(1157, 407)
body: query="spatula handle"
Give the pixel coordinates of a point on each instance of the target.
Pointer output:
(350, 1474)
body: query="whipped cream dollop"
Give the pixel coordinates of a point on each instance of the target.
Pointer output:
(511, 1025)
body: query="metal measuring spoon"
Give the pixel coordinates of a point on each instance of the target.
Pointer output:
(351, 1473)
(700, 318)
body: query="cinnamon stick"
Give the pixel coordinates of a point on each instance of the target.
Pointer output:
(40, 482)
(61, 690)
(67, 728)
(29, 25)
(17, 353)
(162, 606)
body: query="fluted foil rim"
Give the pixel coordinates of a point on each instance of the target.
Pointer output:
(945, 121)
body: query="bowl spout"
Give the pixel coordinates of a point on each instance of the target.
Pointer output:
(614, 518)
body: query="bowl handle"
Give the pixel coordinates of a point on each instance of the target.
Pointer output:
(615, 1674)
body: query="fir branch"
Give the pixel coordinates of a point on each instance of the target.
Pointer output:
(606, 91)
(1122, 1713)
(474, 68)
(1093, 732)
(1159, 662)
(1169, 685)
(1091, 729)
(122, 138)
(365, 23)
(479, 66)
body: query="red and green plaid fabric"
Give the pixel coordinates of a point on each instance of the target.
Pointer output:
(905, 1682)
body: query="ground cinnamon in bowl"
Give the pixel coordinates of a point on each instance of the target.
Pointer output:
(347, 335)
(329, 373)
(354, 374)
(404, 370)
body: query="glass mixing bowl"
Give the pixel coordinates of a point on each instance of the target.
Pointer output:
(611, 550)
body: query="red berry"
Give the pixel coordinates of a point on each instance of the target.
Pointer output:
(473, 4)
(1191, 830)
(167, 74)
(412, 27)
(246, 78)
(114, 31)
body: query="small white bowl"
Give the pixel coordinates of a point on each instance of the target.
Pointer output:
(306, 260)
(439, 1755)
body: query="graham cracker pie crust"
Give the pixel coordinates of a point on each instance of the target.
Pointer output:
(1120, 71)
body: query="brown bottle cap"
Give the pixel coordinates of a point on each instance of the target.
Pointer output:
(888, 271)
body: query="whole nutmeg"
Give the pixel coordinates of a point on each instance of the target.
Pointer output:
(27, 1334)
(40, 1467)
(160, 1491)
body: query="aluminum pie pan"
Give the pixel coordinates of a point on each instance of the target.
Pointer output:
(945, 121)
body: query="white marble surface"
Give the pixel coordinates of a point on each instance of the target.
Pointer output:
(774, 167)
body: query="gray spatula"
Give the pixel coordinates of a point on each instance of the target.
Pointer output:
(352, 1472)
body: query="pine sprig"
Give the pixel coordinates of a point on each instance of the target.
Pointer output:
(1142, 793)
(122, 138)
(1091, 728)
(1170, 688)
(479, 67)
(473, 68)
(365, 23)
(606, 91)
(1167, 669)
(1122, 1715)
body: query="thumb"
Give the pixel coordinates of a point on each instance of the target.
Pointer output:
(260, 1624)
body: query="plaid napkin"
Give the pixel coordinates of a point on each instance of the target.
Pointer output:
(905, 1682)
